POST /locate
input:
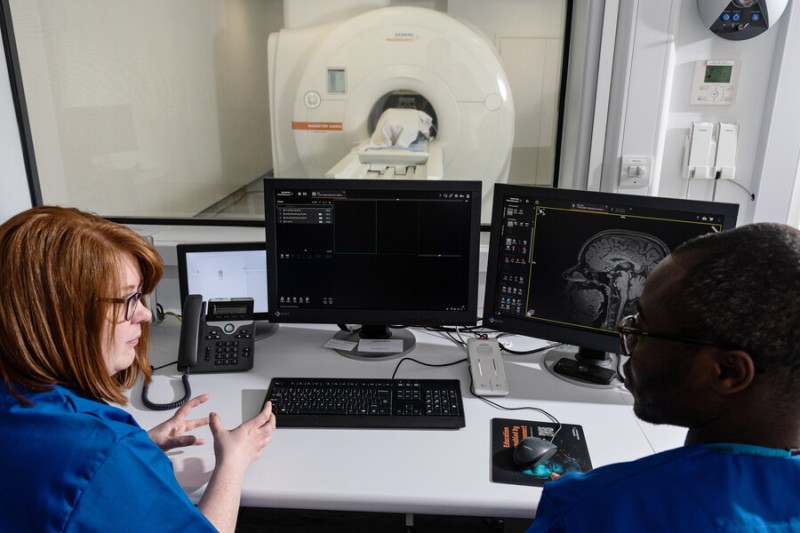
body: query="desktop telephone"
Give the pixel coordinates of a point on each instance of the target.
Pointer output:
(218, 341)
(221, 340)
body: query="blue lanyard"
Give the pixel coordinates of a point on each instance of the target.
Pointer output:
(749, 449)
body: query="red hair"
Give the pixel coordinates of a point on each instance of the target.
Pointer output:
(58, 267)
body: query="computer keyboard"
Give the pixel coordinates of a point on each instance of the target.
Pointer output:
(367, 403)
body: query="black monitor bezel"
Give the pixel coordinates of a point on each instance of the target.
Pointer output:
(199, 247)
(563, 334)
(402, 317)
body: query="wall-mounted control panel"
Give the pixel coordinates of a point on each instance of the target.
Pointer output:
(716, 82)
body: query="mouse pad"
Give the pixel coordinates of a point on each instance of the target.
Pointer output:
(572, 455)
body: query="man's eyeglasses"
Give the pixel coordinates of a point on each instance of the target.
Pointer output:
(131, 302)
(629, 336)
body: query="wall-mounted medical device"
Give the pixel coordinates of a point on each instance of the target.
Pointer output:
(738, 20)
(716, 82)
(709, 152)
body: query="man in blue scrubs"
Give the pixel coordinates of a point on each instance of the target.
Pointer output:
(715, 348)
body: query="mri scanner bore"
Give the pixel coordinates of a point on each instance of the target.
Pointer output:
(333, 87)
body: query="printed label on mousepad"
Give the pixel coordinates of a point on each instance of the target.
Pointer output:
(572, 454)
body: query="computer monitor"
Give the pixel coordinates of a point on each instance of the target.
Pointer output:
(374, 253)
(567, 265)
(227, 270)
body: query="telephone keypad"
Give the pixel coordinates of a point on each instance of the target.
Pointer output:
(227, 352)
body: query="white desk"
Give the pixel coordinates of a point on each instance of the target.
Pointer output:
(398, 471)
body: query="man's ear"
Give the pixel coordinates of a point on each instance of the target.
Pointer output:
(734, 370)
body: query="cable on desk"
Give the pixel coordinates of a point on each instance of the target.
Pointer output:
(481, 333)
(154, 368)
(468, 329)
(524, 408)
(173, 314)
(187, 393)
(446, 333)
(424, 364)
(528, 352)
(457, 330)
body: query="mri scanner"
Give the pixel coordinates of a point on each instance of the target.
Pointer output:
(396, 92)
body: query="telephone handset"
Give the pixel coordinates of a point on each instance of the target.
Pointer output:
(191, 333)
(220, 341)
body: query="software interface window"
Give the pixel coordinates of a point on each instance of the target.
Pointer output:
(373, 249)
(584, 264)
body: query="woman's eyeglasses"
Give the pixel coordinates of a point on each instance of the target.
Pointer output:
(131, 302)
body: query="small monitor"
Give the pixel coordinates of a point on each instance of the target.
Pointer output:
(227, 270)
(379, 254)
(567, 265)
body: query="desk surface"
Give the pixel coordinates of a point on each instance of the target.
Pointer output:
(382, 470)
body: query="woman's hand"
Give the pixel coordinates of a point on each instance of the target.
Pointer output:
(234, 449)
(238, 447)
(171, 434)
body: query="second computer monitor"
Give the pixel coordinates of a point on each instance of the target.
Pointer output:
(375, 253)
(567, 265)
(227, 270)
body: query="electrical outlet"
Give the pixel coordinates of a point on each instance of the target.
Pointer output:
(635, 170)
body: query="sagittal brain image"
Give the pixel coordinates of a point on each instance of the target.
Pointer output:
(609, 276)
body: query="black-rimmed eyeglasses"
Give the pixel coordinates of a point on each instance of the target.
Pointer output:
(629, 335)
(131, 302)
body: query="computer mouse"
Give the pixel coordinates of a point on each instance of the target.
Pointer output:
(533, 451)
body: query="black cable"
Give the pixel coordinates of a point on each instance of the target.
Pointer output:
(528, 352)
(187, 394)
(485, 400)
(423, 364)
(468, 329)
(523, 408)
(154, 368)
(718, 176)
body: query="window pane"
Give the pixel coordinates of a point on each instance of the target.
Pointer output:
(147, 108)
(160, 108)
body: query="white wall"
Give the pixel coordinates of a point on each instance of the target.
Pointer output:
(668, 38)
(779, 147)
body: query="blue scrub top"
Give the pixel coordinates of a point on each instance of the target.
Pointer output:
(694, 488)
(73, 464)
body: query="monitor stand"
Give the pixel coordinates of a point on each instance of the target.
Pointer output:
(264, 329)
(385, 342)
(608, 362)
